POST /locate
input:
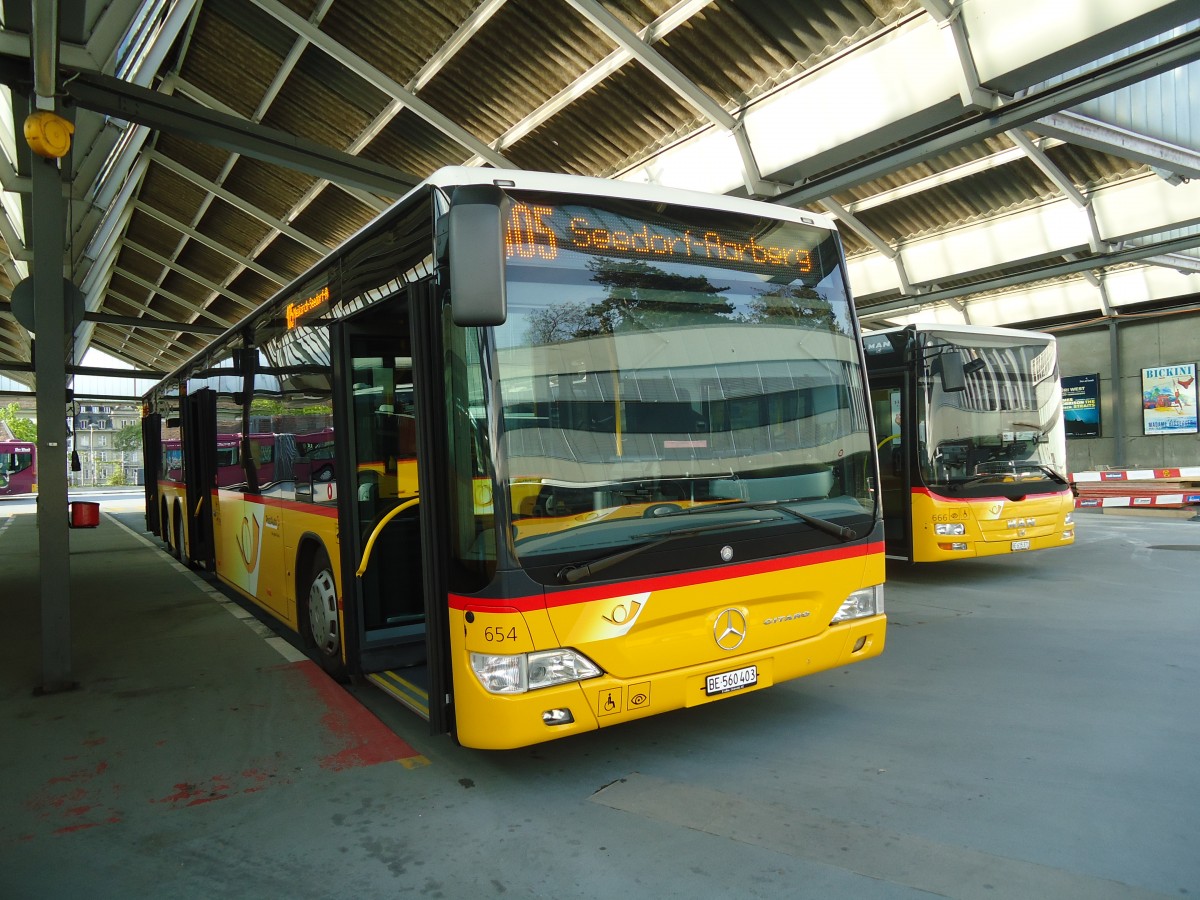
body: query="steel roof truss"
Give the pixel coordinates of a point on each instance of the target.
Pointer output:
(114, 97)
(674, 79)
(656, 30)
(1097, 135)
(237, 202)
(153, 324)
(368, 198)
(174, 266)
(970, 88)
(210, 243)
(1181, 263)
(1169, 54)
(453, 44)
(867, 234)
(369, 73)
(1073, 266)
(174, 298)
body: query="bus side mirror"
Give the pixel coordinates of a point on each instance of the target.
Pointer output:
(954, 377)
(476, 247)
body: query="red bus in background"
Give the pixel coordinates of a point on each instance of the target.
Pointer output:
(18, 468)
(229, 459)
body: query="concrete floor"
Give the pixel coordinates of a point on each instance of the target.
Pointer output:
(1031, 731)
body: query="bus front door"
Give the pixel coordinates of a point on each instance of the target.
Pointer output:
(887, 395)
(379, 508)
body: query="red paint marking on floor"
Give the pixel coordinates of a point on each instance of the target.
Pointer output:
(220, 787)
(367, 741)
(82, 774)
(69, 829)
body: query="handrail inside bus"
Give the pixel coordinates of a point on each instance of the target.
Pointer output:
(392, 513)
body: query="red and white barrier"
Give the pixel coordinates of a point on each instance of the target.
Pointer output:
(1138, 488)
(1186, 473)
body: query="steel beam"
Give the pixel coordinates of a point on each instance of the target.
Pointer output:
(152, 324)
(97, 371)
(681, 85)
(238, 203)
(113, 97)
(365, 70)
(1137, 67)
(1041, 273)
(1108, 138)
(209, 242)
(673, 18)
(175, 266)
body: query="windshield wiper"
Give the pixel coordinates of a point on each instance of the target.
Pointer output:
(572, 574)
(1049, 472)
(1054, 476)
(833, 528)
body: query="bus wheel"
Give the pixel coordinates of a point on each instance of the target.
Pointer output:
(176, 536)
(323, 614)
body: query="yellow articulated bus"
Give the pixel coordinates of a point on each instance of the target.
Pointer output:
(972, 443)
(547, 454)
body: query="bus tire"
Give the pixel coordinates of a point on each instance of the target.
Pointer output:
(322, 629)
(177, 534)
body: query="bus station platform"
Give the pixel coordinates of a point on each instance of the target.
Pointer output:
(1030, 731)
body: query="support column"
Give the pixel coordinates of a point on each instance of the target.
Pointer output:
(48, 231)
(1114, 362)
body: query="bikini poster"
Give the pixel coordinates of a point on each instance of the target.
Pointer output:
(1169, 399)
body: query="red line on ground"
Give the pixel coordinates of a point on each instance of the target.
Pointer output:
(365, 740)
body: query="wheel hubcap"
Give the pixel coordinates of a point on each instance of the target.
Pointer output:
(322, 612)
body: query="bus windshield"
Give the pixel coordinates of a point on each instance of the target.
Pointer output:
(1003, 431)
(659, 359)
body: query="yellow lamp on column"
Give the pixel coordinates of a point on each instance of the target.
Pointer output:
(48, 134)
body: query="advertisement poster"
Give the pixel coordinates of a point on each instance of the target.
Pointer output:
(1081, 405)
(1169, 399)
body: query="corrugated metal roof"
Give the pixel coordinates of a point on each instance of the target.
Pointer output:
(546, 89)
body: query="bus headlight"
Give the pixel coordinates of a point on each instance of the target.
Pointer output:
(530, 671)
(863, 602)
(951, 529)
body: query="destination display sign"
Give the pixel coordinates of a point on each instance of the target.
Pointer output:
(537, 232)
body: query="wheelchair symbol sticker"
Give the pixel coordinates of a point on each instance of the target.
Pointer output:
(610, 702)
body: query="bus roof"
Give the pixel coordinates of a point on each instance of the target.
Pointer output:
(518, 179)
(964, 330)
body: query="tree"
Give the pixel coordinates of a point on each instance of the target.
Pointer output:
(642, 296)
(129, 437)
(794, 305)
(637, 296)
(22, 429)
